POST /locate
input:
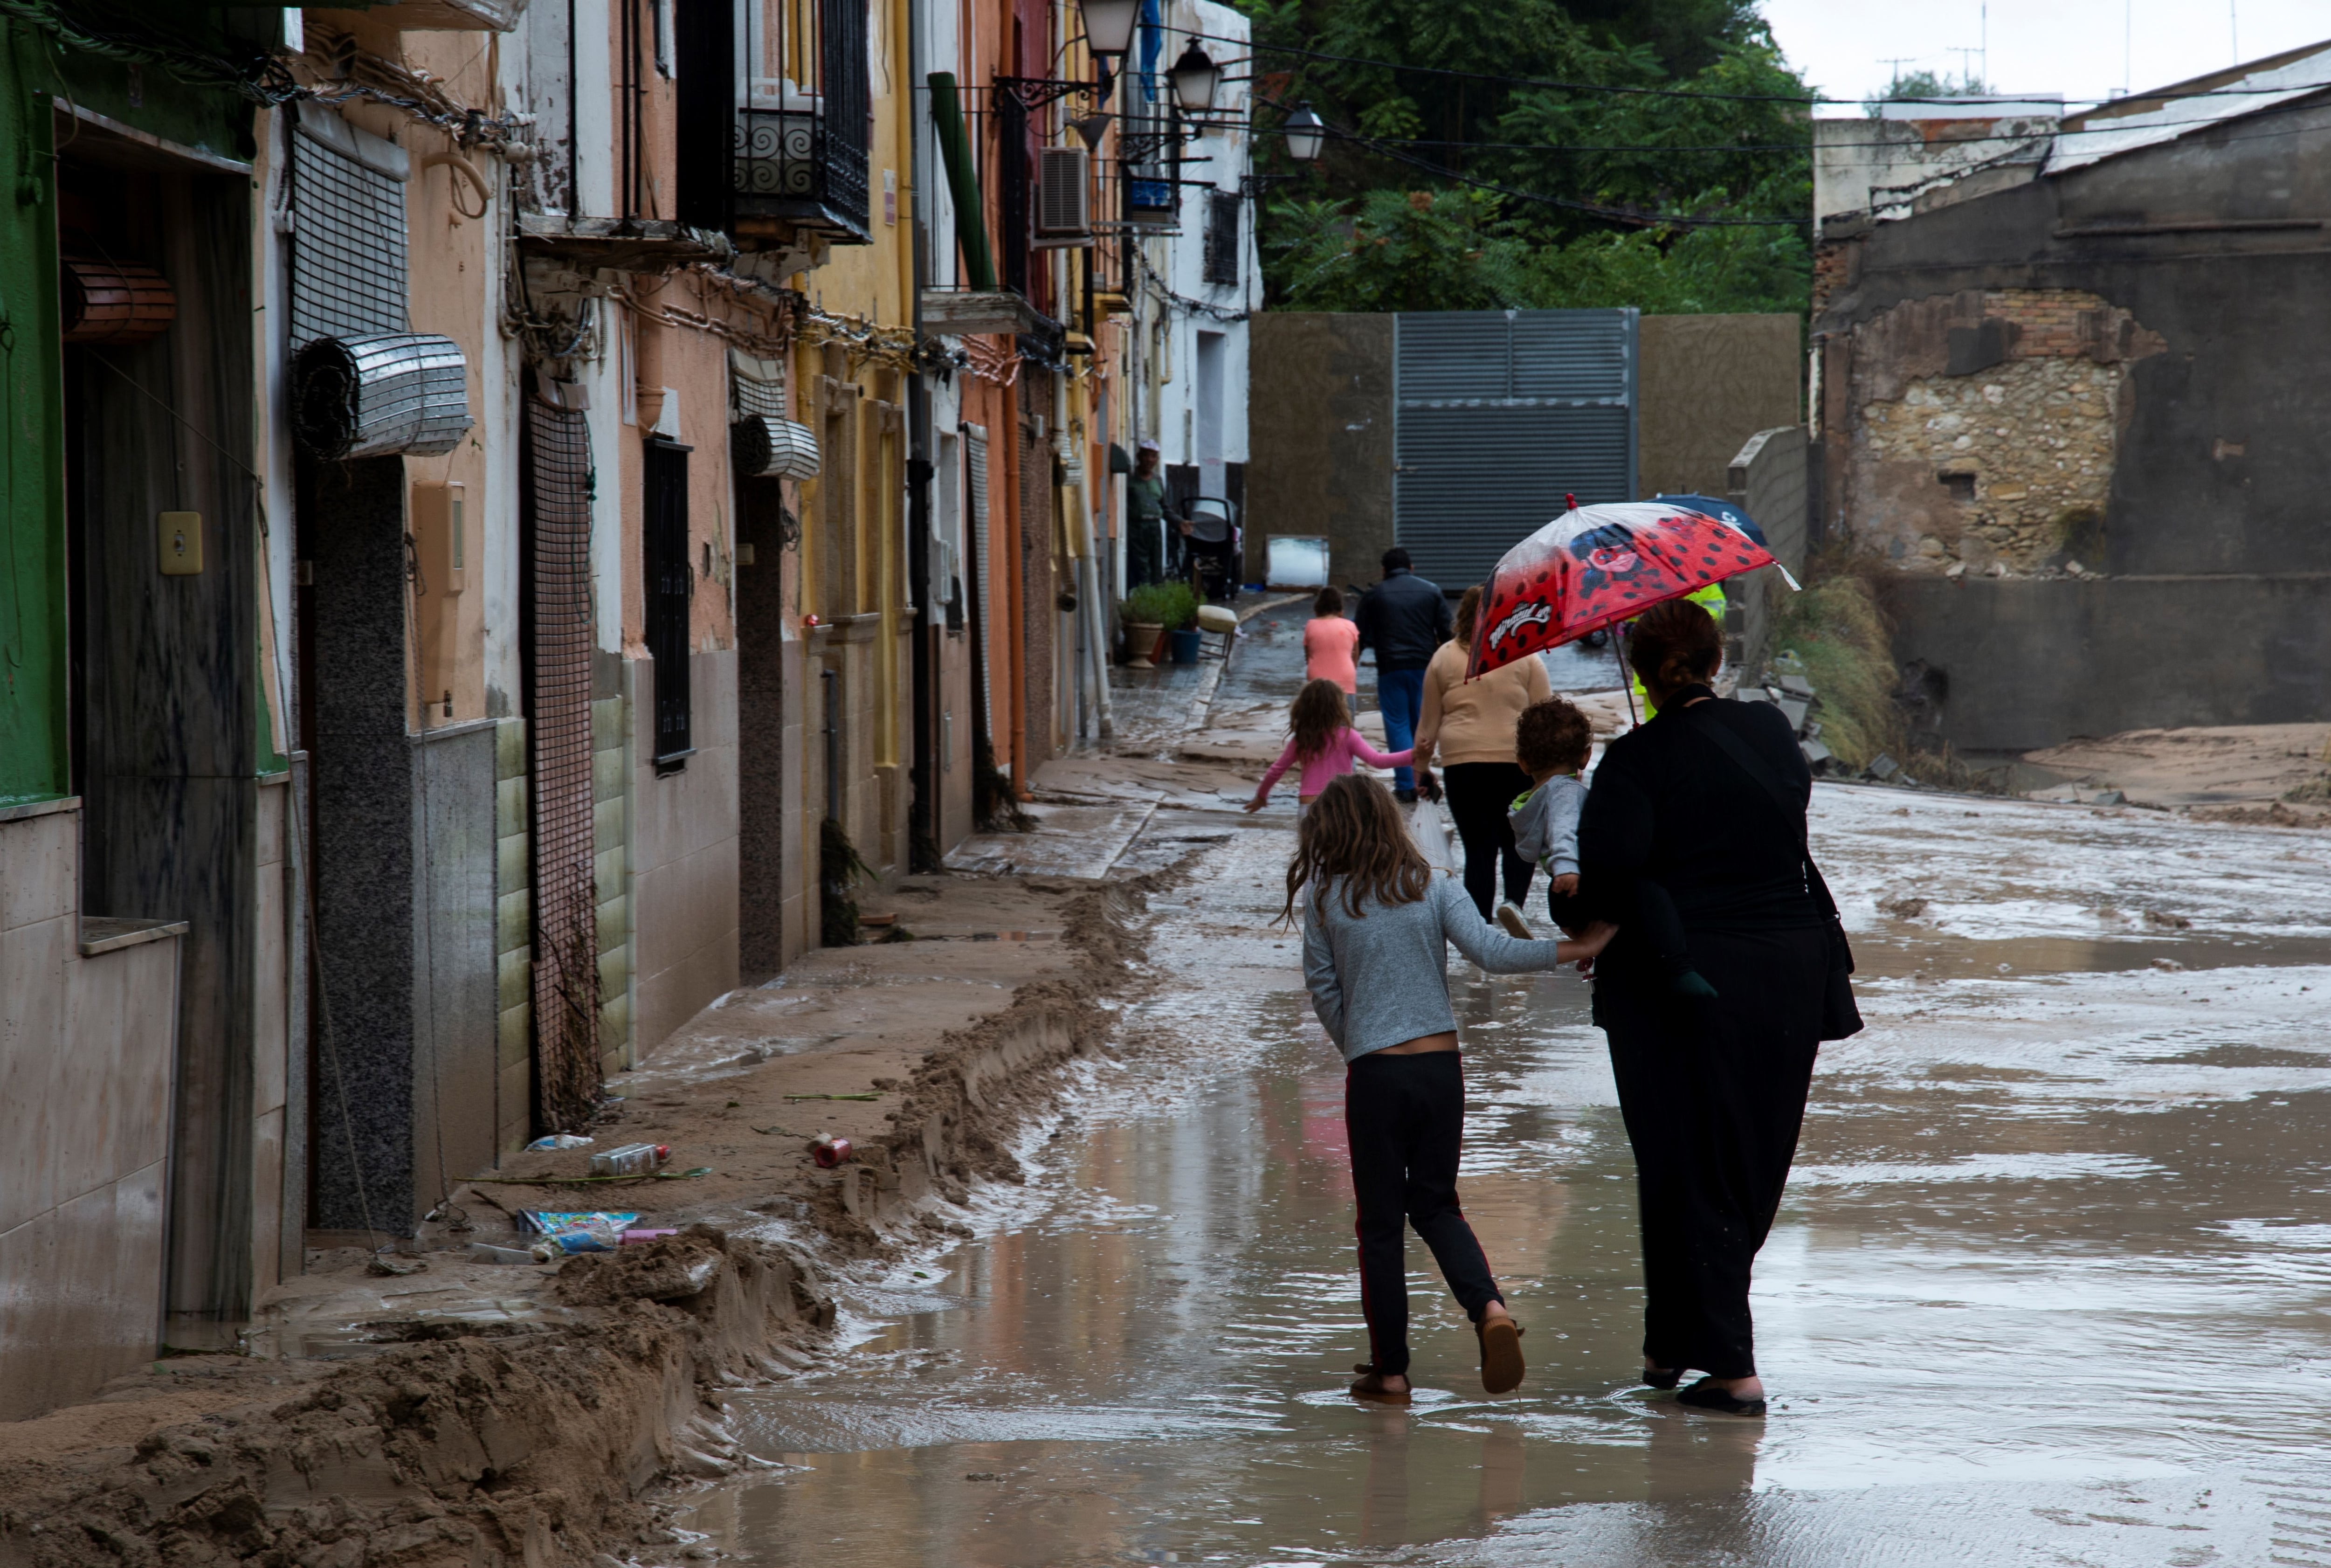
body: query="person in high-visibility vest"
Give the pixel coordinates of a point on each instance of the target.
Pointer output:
(1710, 599)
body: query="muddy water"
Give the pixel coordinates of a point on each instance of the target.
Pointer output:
(2051, 1284)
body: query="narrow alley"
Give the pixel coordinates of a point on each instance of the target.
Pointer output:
(662, 661)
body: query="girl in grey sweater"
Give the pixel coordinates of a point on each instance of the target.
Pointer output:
(1377, 925)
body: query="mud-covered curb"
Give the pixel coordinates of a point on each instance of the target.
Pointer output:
(542, 1443)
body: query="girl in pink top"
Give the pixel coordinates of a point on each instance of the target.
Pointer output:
(1323, 742)
(1331, 644)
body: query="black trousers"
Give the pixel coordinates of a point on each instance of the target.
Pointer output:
(1480, 795)
(1405, 1117)
(1713, 1094)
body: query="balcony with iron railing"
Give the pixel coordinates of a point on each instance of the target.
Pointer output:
(776, 118)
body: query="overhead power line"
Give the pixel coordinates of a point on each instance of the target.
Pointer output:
(1802, 100)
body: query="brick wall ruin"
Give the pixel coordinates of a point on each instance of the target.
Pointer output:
(1987, 422)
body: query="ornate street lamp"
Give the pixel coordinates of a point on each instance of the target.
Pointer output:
(1108, 25)
(1195, 77)
(1307, 133)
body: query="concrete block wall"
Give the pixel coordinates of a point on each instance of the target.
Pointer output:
(279, 1178)
(1705, 384)
(88, 1046)
(513, 939)
(611, 797)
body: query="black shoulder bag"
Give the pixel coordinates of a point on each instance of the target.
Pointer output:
(1840, 1015)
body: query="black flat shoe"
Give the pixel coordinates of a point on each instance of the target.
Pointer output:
(1704, 1395)
(1655, 1378)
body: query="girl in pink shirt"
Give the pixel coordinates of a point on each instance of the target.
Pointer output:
(1331, 644)
(1323, 742)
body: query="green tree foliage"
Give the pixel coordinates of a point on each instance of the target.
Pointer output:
(1921, 84)
(1466, 192)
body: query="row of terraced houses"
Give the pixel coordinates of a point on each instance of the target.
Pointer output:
(492, 487)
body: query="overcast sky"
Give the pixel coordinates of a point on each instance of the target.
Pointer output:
(2083, 49)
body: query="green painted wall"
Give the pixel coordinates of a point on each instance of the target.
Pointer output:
(33, 758)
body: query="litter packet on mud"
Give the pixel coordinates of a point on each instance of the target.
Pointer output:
(543, 1222)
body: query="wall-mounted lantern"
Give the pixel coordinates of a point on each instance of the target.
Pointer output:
(1195, 77)
(1307, 134)
(1108, 25)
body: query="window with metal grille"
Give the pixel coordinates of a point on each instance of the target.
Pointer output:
(347, 235)
(670, 579)
(1221, 262)
(555, 643)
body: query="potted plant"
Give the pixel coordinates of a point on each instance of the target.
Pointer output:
(1182, 626)
(1147, 613)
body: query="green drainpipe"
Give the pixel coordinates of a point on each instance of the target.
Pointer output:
(963, 183)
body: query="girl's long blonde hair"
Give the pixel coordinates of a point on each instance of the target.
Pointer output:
(1352, 833)
(1317, 717)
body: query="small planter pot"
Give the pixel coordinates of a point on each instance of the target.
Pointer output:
(1143, 643)
(1185, 646)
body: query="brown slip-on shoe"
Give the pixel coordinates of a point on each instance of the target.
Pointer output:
(1501, 1355)
(1370, 1387)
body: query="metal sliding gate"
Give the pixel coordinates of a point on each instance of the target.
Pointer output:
(558, 642)
(1498, 415)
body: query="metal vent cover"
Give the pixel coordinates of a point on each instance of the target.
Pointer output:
(1062, 185)
(1498, 415)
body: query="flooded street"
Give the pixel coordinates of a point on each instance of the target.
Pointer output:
(2051, 1282)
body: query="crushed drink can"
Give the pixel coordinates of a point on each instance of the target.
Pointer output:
(631, 1160)
(829, 1151)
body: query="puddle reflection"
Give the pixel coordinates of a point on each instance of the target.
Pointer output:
(2053, 1283)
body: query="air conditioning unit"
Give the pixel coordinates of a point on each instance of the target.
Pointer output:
(1063, 207)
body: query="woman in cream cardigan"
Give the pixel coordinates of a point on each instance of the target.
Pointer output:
(1471, 725)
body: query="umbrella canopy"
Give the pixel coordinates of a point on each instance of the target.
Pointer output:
(1595, 566)
(1722, 511)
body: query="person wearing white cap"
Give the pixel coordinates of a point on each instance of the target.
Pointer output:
(1145, 537)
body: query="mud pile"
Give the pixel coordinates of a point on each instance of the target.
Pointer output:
(536, 1439)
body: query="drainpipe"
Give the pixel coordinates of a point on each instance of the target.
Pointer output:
(1089, 581)
(829, 681)
(1015, 639)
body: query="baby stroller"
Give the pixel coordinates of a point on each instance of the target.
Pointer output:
(1211, 546)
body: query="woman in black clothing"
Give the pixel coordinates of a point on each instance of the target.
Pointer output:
(1710, 994)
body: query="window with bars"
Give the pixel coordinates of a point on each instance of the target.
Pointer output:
(670, 580)
(1222, 258)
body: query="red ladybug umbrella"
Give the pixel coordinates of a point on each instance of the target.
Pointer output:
(1595, 566)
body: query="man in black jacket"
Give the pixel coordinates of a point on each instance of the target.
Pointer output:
(1405, 619)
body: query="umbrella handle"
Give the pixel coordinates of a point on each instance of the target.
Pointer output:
(1619, 652)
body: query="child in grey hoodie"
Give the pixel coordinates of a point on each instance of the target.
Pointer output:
(1377, 927)
(1551, 741)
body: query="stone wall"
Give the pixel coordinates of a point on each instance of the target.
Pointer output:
(1988, 423)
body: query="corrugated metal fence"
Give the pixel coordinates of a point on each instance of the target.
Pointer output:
(1497, 415)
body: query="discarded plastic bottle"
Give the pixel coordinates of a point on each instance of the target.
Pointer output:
(561, 1141)
(631, 1160)
(829, 1151)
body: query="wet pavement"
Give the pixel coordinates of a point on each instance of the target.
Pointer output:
(2052, 1283)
